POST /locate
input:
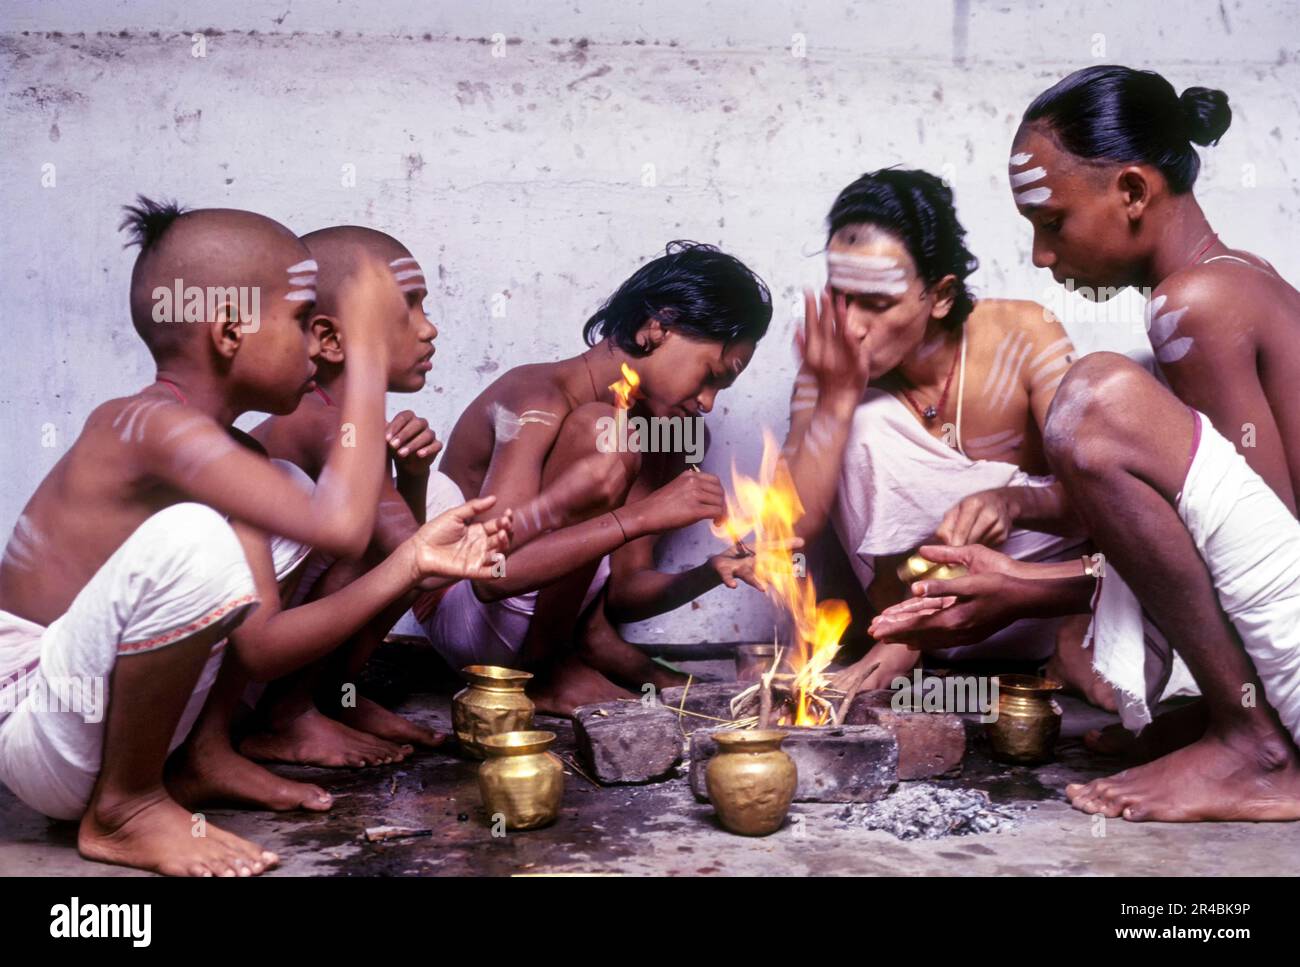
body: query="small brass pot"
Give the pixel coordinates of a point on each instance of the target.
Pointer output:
(751, 781)
(917, 568)
(493, 703)
(521, 780)
(1028, 722)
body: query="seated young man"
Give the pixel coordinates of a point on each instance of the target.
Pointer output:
(360, 731)
(124, 576)
(944, 442)
(1201, 574)
(687, 323)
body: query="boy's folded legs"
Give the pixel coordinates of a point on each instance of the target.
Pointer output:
(147, 631)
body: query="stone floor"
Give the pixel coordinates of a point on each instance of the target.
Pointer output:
(661, 829)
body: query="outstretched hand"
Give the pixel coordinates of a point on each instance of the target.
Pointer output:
(453, 545)
(959, 611)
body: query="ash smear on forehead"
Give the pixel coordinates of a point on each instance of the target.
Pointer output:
(922, 810)
(1004, 374)
(866, 274)
(1028, 176)
(1162, 324)
(408, 274)
(302, 281)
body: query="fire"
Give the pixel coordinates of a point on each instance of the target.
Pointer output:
(626, 389)
(769, 507)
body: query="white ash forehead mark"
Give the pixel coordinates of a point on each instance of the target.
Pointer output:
(405, 260)
(302, 281)
(1033, 196)
(1028, 177)
(1020, 159)
(870, 263)
(408, 274)
(799, 405)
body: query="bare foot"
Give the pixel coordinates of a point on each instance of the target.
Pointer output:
(155, 833)
(571, 683)
(1172, 730)
(601, 647)
(214, 772)
(1071, 665)
(1230, 776)
(314, 739)
(373, 719)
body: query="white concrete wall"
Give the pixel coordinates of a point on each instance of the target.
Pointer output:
(517, 166)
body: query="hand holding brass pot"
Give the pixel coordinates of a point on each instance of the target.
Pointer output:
(751, 781)
(521, 780)
(493, 703)
(1028, 722)
(916, 568)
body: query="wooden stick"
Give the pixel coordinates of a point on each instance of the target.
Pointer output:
(765, 701)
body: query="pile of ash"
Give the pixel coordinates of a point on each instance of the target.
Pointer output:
(922, 810)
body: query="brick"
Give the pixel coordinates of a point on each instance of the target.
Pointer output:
(627, 742)
(930, 744)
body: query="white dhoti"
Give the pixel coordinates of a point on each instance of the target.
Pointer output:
(896, 484)
(182, 571)
(1250, 543)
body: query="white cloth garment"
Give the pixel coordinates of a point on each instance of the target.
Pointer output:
(181, 571)
(897, 482)
(1251, 545)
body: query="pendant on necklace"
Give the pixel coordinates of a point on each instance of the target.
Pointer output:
(931, 412)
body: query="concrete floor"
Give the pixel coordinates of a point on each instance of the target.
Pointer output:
(660, 829)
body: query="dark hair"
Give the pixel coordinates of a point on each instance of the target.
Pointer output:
(146, 221)
(696, 289)
(916, 207)
(1123, 115)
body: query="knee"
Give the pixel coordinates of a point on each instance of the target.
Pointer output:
(193, 539)
(608, 465)
(1092, 412)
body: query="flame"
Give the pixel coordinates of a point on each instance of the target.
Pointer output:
(626, 389)
(769, 507)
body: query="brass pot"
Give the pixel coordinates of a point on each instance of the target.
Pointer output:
(521, 780)
(916, 568)
(1028, 722)
(751, 781)
(493, 703)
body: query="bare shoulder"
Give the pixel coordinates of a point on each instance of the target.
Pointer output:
(994, 321)
(534, 388)
(1215, 306)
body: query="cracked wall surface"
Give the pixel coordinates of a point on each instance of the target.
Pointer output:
(533, 157)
